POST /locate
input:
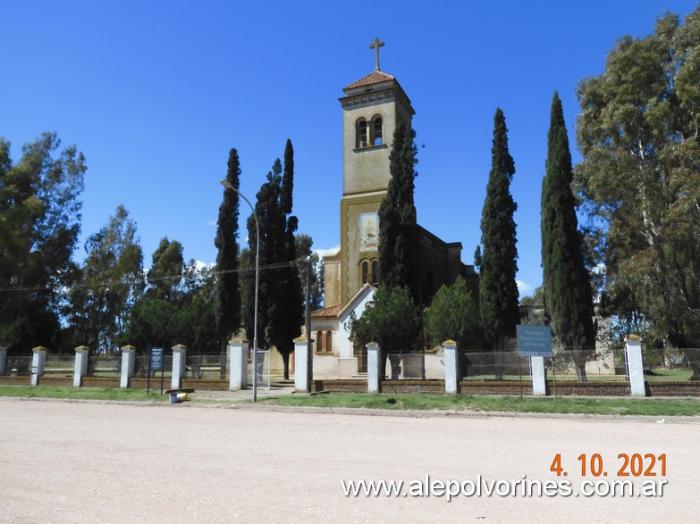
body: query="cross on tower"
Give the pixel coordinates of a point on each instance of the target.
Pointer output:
(376, 45)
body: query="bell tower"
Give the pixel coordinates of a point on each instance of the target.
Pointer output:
(372, 108)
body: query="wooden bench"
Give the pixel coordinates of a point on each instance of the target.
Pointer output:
(178, 395)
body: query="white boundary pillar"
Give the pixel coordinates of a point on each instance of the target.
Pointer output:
(38, 362)
(451, 359)
(539, 376)
(635, 365)
(3, 359)
(128, 360)
(81, 364)
(238, 364)
(373, 367)
(302, 364)
(179, 353)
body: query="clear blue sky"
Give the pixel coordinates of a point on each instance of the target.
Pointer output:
(155, 94)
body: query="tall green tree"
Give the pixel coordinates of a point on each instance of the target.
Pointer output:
(227, 293)
(498, 291)
(148, 324)
(568, 295)
(392, 320)
(286, 197)
(280, 301)
(39, 227)
(185, 318)
(110, 283)
(303, 252)
(287, 309)
(397, 215)
(453, 314)
(151, 314)
(246, 262)
(271, 225)
(165, 275)
(193, 322)
(639, 133)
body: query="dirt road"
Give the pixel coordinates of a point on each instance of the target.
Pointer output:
(89, 462)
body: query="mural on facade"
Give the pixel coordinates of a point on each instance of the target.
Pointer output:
(369, 232)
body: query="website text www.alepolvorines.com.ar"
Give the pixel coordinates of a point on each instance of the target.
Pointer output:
(522, 487)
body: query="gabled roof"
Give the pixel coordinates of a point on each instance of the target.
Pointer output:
(336, 311)
(352, 303)
(327, 312)
(375, 77)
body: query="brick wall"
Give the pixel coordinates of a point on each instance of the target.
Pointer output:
(467, 387)
(510, 387)
(689, 388)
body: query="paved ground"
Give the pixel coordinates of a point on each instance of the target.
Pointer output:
(90, 462)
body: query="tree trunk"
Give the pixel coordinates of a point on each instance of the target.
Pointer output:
(222, 360)
(580, 358)
(285, 364)
(498, 359)
(696, 371)
(693, 357)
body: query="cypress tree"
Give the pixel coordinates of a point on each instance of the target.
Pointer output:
(568, 295)
(267, 212)
(287, 307)
(498, 291)
(227, 310)
(166, 271)
(280, 301)
(397, 215)
(287, 178)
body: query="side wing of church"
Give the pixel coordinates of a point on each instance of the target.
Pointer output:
(372, 108)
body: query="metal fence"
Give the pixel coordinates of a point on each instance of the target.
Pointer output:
(474, 365)
(494, 365)
(671, 364)
(58, 365)
(412, 365)
(104, 365)
(141, 366)
(264, 368)
(205, 367)
(660, 365)
(589, 365)
(18, 365)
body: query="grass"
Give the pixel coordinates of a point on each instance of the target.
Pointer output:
(669, 374)
(78, 393)
(422, 401)
(559, 377)
(414, 401)
(658, 375)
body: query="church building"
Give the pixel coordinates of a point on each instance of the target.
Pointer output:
(372, 108)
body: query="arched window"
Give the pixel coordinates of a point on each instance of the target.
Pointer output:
(329, 341)
(319, 340)
(375, 273)
(361, 133)
(365, 271)
(377, 138)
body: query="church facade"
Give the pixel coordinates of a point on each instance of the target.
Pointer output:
(372, 107)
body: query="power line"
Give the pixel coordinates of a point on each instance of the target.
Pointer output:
(68, 289)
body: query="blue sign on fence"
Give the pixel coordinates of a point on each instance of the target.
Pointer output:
(156, 359)
(534, 341)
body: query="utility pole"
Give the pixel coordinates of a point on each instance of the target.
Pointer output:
(309, 344)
